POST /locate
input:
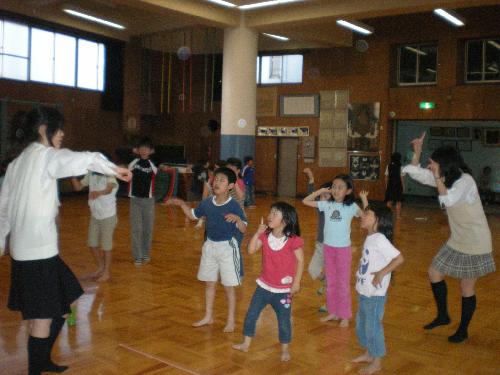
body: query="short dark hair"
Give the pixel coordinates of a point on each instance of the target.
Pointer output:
(246, 159)
(221, 163)
(290, 217)
(145, 142)
(385, 219)
(235, 162)
(451, 164)
(231, 176)
(349, 198)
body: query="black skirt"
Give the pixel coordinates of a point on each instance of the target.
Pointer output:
(42, 289)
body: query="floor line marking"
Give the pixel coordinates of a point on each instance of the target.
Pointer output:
(156, 358)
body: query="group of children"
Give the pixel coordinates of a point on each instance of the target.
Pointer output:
(283, 260)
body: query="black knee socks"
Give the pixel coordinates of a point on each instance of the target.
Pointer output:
(37, 347)
(440, 293)
(468, 308)
(55, 329)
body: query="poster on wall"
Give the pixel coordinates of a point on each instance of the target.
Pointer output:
(363, 127)
(364, 166)
(285, 131)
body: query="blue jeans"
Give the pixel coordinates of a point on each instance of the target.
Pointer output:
(369, 324)
(282, 306)
(249, 195)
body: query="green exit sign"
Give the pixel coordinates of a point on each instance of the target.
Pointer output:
(426, 105)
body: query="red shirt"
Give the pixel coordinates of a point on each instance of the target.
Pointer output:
(279, 266)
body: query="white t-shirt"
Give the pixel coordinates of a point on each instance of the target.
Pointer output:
(377, 253)
(104, 206)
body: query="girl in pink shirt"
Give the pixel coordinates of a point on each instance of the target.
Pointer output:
(282, 266)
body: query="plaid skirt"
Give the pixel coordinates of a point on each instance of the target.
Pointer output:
(42, 289)
(453, 263)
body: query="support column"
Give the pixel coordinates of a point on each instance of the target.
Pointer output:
(239, 92)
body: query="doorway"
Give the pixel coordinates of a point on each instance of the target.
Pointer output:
(287, 167)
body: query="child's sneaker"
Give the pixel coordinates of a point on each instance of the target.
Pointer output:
(323, 309)
(146, 260)
(138, 262)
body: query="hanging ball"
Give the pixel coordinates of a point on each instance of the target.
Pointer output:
(183, 53)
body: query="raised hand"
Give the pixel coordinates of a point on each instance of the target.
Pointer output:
(262, 227)
(232, 218)
(418, 142)
(363, 194)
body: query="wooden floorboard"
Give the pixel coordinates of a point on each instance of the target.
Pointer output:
(139, 323)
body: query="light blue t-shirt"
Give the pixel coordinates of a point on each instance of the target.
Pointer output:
(338, 217)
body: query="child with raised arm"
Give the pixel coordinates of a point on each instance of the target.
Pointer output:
(282, 267)
(103, 219)
(220, 253)
(378, 259)
(337, 245)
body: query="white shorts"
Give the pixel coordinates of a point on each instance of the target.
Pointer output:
(220, 257)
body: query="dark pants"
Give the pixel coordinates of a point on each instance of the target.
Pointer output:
(282, 306)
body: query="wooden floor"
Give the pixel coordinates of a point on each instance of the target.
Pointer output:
(140, 322)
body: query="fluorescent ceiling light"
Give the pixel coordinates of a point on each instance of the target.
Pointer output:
(223, 3)
(494, 44)
(266, 4)
(278, 37)
(450, 16)
(431, 70)
(415, 50)
(359, 27)
(94, 19)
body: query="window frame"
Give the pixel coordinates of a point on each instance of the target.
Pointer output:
(417, 67)
(259, 69)
(483, 60)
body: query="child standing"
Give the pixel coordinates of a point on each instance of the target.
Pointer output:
(238, 192)
(248, 174)
(394, 183)
(220, 252)
(282, 267)
(103, 219)
(337, 245)
(378, 259)
(142, 203)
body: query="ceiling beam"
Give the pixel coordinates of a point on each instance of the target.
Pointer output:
(306, 12)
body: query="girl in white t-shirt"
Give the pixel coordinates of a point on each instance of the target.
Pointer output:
(378, 259)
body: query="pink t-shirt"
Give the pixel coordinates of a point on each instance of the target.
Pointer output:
(279, 266)
(241, 184)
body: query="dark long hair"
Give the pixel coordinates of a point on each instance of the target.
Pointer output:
(290, 218)
(349, 198)
(385, 219)
(43, 115)
(451, 164)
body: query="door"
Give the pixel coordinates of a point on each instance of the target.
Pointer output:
(266, 150)
(287, 167)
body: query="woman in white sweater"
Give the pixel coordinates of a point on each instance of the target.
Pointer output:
(42, 285)
(467, 255)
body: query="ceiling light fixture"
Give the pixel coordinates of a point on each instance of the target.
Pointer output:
(223, 3)
(415, 50)
(266, 4)
(450, 16)
(278, 37)
(94, 19)
(494, 44)
(356, 26)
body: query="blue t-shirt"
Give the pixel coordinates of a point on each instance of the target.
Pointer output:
(249, 175)
(338, 217)
(218, 229)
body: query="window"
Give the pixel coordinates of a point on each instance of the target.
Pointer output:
(483, 60)
(13, 50)
(279, 69)
(50, 57)
(417, 64)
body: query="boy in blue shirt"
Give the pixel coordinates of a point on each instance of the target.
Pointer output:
(225, 220)
(248, 174)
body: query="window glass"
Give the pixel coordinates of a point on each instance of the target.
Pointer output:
(42, 56)
(64, 60)
(292, 68)
(427, 64)
(15, 67)
(492, 60)
(474, 60)
(271, 69)
(88, 54)
(15, 39)
(407, 64)
(258, 70)
(100, 67)
(417, 64)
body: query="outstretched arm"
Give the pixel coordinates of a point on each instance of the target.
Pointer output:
(417, 149)
(363, 195)
(310, 200)
(183, 205)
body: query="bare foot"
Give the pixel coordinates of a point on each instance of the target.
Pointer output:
(363, 358)
(103, 278)
(228, 328)
(204, 322)
(344, 323)
(329, 317)
(285, 356)
(370, 369)
(243, 347)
